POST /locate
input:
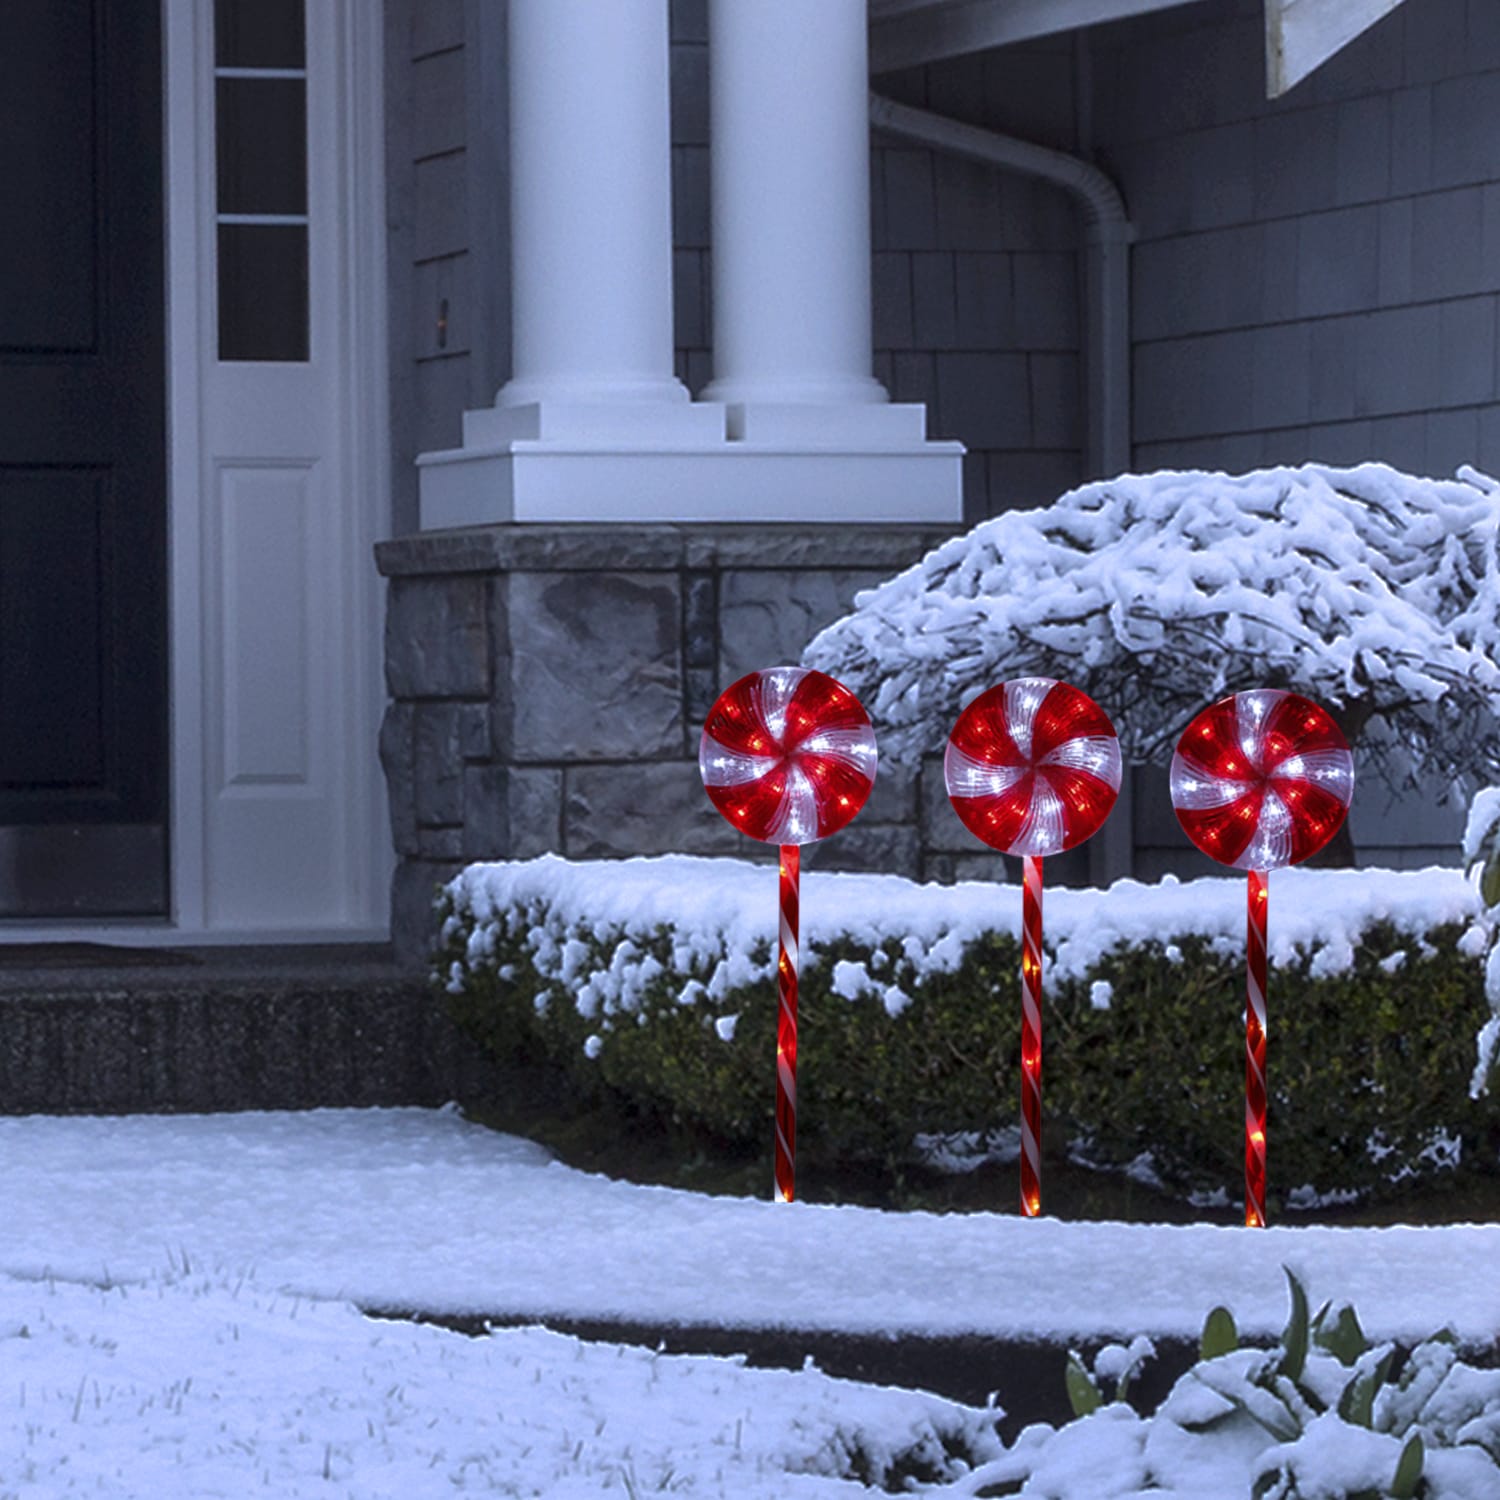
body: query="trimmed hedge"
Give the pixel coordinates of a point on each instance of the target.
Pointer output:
(1368, 1067)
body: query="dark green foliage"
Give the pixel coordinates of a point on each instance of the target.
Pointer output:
(1379, 1054)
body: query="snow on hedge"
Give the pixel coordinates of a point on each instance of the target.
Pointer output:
(722, 916)
(1374, 591)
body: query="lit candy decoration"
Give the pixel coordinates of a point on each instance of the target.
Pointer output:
(788, 757)
(1032, 768)
(1260, 780)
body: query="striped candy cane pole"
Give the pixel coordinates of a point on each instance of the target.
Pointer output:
(786, 1028)
(1031, 1037)
(1255, 1052)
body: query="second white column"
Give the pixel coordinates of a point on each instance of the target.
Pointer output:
(789, 102)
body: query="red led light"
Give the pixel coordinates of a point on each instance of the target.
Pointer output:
(1262, 779)
(788, 755)
(1033, 766)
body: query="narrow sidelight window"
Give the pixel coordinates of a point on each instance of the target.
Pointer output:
(260, 132)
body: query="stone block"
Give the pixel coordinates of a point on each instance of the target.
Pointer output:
(947, 869)
(437, 639)
(486, 811)
(894, 798)
(534, 799)
(442, 731)
(878, 848)
(658, 808)
(937, 822)
(397, 760)
(700, 634)
(767, 617)
(702, 691)
(441, 843)
(595, 666)
(415, 886)
(511, 812)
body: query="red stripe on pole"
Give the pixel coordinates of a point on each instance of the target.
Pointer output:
(786, 1028)
(1255, 1051)
(1031, 1037)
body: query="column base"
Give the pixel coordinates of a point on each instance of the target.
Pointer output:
(731, 481)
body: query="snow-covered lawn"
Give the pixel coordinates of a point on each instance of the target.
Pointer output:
(176, 1319)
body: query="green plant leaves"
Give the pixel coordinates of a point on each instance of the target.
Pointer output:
(1083, 1394)
(1343, 1337)
(1295, 1336)
(1220, 1336)
(1408, 1469)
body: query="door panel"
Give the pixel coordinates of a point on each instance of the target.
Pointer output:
(83, 711)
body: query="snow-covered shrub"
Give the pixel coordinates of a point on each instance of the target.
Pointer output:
(654, 978)
(1373, 591)
(1323, 1416)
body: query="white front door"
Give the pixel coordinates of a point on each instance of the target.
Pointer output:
(279, 487)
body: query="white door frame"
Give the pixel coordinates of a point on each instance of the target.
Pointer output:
(346, 126)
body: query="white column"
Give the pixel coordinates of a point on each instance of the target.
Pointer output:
(790, 114)
(591, 207)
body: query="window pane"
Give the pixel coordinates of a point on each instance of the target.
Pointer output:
(259, 34)
(263, 291)
(262, 145)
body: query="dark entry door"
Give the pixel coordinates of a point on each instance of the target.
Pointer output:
(83, 712)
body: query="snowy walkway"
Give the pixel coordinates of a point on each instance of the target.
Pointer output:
(168, 1327)
(418, 1208)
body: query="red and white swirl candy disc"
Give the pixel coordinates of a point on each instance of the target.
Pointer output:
(1262, 779)
(788, 755)
(1033, 766)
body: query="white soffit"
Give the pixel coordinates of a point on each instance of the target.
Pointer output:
(904, 33)
(1301, 35)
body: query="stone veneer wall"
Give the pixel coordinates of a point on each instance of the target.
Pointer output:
(549, 684)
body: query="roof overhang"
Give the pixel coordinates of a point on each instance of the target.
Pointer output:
(1301, 35)
(905, 33)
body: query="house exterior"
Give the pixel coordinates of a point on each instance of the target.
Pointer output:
(638, 339)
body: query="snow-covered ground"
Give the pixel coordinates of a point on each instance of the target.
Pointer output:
(175, 1317)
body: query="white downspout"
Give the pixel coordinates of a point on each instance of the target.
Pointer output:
(1106, 275)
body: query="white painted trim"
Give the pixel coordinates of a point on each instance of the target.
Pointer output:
(187, 79)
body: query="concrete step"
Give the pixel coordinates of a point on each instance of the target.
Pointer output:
(89, 1029)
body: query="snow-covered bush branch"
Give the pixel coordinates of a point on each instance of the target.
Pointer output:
(1373, 591)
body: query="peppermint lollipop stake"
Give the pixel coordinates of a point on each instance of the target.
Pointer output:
(1032, 768)
(788, 757)
(1260, 780)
